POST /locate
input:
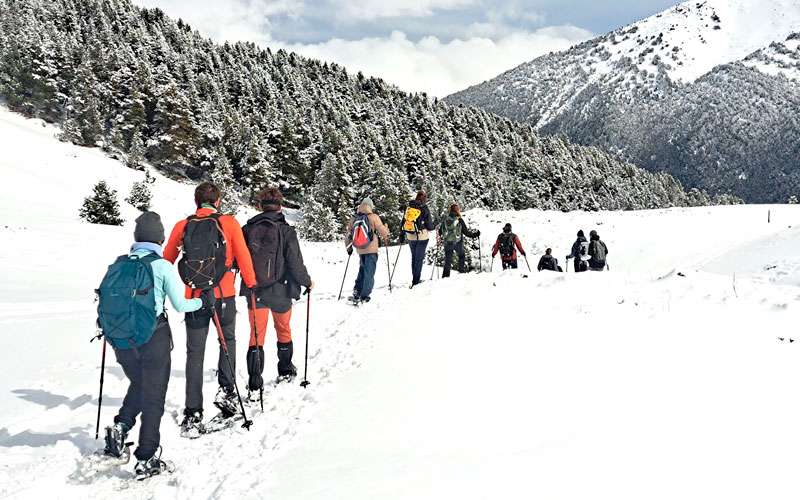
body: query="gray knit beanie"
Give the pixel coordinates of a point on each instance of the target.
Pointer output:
(368, 202)
(149, 228)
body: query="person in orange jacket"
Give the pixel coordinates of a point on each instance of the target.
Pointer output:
(505, 244)
(208, 199)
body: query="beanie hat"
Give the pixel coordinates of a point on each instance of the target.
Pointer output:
(580, 233)
(368, 202)
(507, 228)
(149, 228)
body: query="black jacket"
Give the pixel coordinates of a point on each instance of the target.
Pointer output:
(295, 275)
(594, 263)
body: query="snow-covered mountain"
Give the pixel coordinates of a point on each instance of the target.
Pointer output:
(596, 91)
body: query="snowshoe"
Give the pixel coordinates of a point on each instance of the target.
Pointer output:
(192, 425)
(289, 378)
(221, 422)
(116, 445)
(226, 402)
(152, 467)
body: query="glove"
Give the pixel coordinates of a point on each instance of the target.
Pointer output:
(524, 254)
(477, 234)
(209, 301)
(402, 237)
(350, 250)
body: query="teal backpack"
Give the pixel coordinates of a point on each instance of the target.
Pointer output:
(451, 229)
(126, 310)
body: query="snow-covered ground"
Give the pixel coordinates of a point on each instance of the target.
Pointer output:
(664, 378)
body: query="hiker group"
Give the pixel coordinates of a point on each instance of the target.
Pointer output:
(210, 249)
(213, 248)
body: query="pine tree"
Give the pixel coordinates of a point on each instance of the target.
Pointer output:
(140, 196)
(136, 153)
(102, 207)
(318, 222)
(222, 177)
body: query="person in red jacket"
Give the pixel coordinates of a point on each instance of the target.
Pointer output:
(507, 244)
(207, 198)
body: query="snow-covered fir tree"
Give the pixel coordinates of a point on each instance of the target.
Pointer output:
(102, 206)
(318, 222)
(222, 177)
(140, 196)
(136, 153)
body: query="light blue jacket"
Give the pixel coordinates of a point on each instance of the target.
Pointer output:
(167, 281)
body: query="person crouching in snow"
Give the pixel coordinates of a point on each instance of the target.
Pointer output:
(145, 356)
(548, 262)
(507, 244)
(364, 232)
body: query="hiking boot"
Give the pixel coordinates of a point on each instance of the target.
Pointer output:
(115, 441)
(153, 466)
(192, 424)
(254, 395)
(226, 401)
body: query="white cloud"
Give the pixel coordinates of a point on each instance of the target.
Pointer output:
(375, 9)
(430, 65)
(439, 68)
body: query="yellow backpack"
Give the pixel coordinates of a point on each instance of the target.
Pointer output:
(410, 220)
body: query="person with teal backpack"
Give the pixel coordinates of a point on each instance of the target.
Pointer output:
(132, 319)
(452, 231)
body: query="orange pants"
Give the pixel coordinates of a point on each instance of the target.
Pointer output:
(258, 325)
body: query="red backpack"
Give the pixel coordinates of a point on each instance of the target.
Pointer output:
(362, 232)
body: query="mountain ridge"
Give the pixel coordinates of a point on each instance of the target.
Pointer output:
(599, 85)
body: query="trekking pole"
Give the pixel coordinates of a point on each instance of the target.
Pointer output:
(388, 268)
(247, 423)
(102, 379)
(480, 257)
(491, 266)
(345, 276)
(394, 268)
(527, 263)
(259, 355)
(305, 383)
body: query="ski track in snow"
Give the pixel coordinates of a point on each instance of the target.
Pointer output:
(667, 371)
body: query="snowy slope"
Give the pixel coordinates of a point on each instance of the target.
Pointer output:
(780, 58)
(655, 380)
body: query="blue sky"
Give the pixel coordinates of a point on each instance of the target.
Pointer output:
(436, 46)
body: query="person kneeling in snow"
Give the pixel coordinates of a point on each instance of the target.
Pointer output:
(135, 324)
(548, 262)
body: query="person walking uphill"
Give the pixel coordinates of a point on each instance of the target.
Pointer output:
(280, 272)
(597, 252)
(580, 252)
(211, 244)
(144, 350)
(507, 244)
(417, 223)
(363, 233)
(452, 231)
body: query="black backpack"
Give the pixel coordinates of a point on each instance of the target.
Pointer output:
(549, 263)
(265, 242)
(202, 265)
(506, 244)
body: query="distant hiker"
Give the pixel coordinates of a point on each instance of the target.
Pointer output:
(507, 244)
(280, 273)
(597, 252)
(210, 244)
(363, 233)
(134, 322)
(548, 262)
(417, 222)
(452, 231)
(580, 252)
